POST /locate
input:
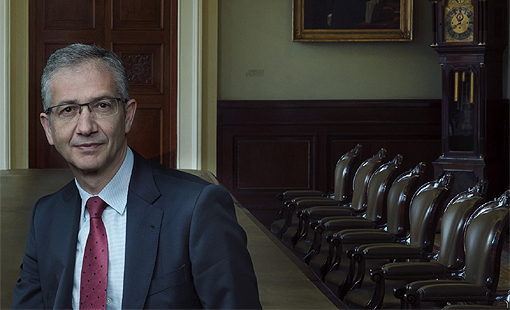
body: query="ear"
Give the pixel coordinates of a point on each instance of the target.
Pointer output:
(45, 122)
(130, 114)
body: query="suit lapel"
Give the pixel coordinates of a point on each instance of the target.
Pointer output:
(65, 232)
(142, 234)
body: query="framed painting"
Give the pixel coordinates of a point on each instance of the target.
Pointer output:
(352, 20)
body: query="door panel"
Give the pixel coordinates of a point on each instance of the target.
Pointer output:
(138, 14)
(144, 34)
(65, 14)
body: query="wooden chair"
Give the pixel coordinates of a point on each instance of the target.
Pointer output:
(393, 276)
(358, 202)
(476, 284)
(425, 210)
(342, 190)
(374, 214)
(397, 225)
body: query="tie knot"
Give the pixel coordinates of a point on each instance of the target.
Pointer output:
(95, 205)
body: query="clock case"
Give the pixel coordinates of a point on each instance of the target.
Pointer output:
(474, 115)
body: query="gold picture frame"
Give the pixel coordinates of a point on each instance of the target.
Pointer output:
(321, 20)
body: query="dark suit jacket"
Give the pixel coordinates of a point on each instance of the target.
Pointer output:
(184, 248)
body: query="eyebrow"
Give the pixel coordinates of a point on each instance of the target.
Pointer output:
(76, 102)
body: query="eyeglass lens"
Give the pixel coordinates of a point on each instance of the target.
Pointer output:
(99, 109)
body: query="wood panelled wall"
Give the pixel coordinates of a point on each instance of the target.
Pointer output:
(266, 147)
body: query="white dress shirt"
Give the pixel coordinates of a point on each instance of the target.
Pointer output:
(114, 219)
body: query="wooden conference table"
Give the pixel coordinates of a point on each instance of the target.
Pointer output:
(284, 282)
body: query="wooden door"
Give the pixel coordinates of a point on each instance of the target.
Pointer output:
(144, 34)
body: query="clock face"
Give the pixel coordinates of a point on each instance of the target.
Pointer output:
(459, 24)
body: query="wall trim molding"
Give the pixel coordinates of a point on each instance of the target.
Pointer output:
(189, 84)
(5, 111)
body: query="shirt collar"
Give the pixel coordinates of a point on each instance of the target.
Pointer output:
(116, 191)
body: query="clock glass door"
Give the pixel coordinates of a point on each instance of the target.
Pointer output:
(460, 112)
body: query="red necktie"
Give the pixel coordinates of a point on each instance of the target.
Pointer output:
(95, 259)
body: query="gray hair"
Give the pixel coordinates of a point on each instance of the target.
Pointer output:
(77, 54)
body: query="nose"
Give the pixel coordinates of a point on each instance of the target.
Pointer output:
(86, 122)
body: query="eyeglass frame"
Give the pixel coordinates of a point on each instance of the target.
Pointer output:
(80, 105)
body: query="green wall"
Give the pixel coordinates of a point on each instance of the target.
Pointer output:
(256, 35)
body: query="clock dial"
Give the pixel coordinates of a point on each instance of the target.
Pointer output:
(459, 24)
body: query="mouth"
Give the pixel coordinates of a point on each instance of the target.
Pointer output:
(88, 146)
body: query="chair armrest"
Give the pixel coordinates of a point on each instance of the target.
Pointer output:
(453, 291)
(410, 293)
(364, 236)
(386, 251)
(389, 251)
(289, 195)
(414, 271)
(408, 271)
(308, 215)
(296, 205)
(333, 223)
(319, 212)
(306, 202)
(351, 236)
(416, 285)
(345, 222)
(450, 291)
(293, 207)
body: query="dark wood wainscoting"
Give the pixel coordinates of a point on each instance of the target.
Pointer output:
(266, 147)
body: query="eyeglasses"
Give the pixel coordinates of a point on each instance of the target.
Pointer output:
(99, 108)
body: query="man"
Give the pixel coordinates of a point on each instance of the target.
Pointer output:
(126, 233)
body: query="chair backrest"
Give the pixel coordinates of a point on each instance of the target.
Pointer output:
(377, 190)
(399, 199)
(343, 176)
(484, 242)
(426, 209)
(454, 223)
(361, 179)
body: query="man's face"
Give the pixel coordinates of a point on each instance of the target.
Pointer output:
(88, 144)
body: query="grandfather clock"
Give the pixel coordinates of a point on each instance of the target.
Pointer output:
(470, 37)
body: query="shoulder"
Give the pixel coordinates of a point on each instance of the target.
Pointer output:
(189, 185)
(63, 195)
(175, 177)
(184, 195)
(162, 173)
(48, 209)
(149, 177)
